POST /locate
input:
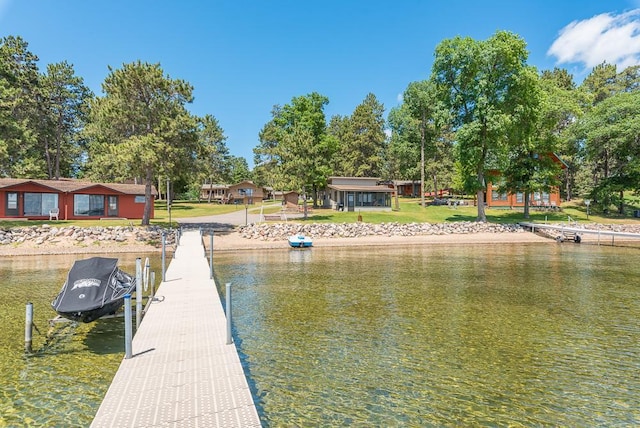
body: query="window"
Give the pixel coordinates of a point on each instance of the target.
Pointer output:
(12, 201)
(519, 197)
(364, 199)
(497, 196)
(88, 205)
(545, 197)
(39, 203)
(139, 199)
(112, 206)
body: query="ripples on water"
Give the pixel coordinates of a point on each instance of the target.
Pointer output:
(517, 335)
(538, 335)
(64, 381)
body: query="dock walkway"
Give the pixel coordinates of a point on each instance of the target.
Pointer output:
(182, 373)
(562, 230)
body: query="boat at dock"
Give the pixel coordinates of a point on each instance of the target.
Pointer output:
(95, 287)
(300, 241)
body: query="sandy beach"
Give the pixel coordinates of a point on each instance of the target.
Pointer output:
(233, 241)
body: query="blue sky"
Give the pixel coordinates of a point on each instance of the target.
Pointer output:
(243, 57)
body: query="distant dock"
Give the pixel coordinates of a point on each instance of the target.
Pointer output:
(182, 373)
(578, 231)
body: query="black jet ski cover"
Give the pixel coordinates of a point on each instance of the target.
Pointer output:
(95, 287)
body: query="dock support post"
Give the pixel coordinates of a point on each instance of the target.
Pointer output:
(211, 256)
(128, 326)
(28, 328)
(228, 296)
(138, 292)
(164, 255)
(153, 284)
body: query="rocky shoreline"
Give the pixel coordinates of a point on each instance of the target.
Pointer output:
(280, 231)
(49, 239)
(152, 235)
(47, 234)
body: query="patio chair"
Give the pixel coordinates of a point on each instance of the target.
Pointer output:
(54, 213)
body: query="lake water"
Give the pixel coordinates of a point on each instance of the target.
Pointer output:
(63, 382)
(519, 335)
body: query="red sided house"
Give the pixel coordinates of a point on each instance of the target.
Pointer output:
(68, 199)
(537, 200)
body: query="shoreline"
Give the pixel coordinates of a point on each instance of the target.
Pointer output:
(234, 241)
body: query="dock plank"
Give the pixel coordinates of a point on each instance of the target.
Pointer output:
(182, 373)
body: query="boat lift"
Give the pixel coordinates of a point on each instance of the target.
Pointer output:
(145, 279)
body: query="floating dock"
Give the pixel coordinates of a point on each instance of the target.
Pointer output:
(182, 373)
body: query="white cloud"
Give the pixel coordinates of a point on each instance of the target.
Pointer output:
(400, 98)
(606, 37)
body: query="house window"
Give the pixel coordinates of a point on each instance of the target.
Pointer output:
(12, 203)
(39, 203)
(519, 197)
(139, 199)
(364, 199)
(497, 196)
(545, 197)
(112, 206)
(88, 205)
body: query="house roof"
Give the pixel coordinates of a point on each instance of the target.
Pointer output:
(214, 186)
(349, 188)
(74, 186)
(355, 178)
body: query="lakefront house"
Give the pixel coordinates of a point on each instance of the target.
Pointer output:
(70, 199)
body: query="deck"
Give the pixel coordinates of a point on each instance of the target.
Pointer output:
(182, 372)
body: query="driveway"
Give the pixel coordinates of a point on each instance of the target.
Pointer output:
(226, 222)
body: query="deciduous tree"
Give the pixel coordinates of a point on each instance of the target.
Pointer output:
(482, 85)
(421, 99)
(296, 144)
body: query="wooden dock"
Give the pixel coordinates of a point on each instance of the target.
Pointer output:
(182, 372)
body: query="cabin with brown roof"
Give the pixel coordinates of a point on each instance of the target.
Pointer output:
(361, 193)
(69, 199)
(214, 192)
(542, 199)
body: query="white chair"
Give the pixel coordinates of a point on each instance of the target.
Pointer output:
(54, 213)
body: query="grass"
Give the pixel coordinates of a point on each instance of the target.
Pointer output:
(410, 212)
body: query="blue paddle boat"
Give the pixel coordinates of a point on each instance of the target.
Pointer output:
(300, 241)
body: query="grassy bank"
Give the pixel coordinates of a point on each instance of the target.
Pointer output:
(410, 211)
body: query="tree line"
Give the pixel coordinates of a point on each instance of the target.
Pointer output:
(482, 114)
(53, 126)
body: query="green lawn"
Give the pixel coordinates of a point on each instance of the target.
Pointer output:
(410, 211)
